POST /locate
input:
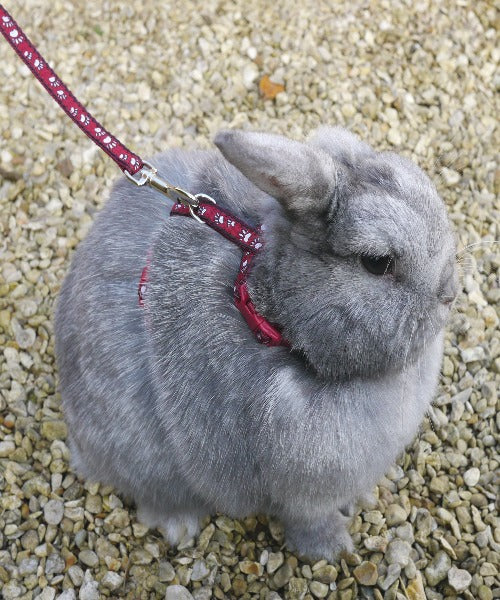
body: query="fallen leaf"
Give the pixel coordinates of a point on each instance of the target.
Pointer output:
(269, 89)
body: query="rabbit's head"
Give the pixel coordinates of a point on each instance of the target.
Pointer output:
(359, 262)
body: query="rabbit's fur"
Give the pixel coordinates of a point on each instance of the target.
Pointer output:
(178, 405)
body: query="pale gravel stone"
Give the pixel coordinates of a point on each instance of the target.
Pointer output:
(471, 476)
(53, 512)
(177, 592)
(112, 580)
(459, 579)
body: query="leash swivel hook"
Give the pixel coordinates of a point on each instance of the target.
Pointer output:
(148, 175)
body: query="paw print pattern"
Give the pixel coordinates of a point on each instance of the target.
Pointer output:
(99, 131)
(17, 38)
(73, 111)
(219, 219)
(245, 235)
(54, 82)
(61, 95)
(84, 119)
(109, 142)
(230, 222)
(7, 22)
(38, 64)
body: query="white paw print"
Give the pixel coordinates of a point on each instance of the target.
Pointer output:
(109, 141)
(230, 223)
(245, 235)
(17, 38)
(84, 119)
(54, 82)
(257, 245)
(73, 111)
(61, 95)
(7, 22)
(202, 210)
(219, 219)
(123, 157)
(38, 64)
(99, 132)
(28, 55)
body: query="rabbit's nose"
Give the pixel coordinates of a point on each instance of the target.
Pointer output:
(448, 288)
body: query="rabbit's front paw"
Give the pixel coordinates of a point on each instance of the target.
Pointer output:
(175, 526)
(320, 540)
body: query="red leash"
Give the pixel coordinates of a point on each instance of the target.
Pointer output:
(131, 164)
(128, 162)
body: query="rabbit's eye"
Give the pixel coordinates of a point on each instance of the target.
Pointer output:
(378, 265)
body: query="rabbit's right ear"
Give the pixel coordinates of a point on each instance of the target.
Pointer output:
(303, 178)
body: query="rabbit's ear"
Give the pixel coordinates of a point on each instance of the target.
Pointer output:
(342, 145)
(301, 177)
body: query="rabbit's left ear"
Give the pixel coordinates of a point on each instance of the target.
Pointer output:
(303, 178)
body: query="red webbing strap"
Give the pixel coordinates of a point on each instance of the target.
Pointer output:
(126, 160)
(232, 228)
(248, 239)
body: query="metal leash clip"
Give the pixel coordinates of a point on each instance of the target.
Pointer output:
(148, 175)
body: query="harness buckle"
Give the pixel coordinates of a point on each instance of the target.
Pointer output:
(148, 175)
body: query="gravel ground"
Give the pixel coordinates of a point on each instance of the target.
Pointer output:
(415, 76)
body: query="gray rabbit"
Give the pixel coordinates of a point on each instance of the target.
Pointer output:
(177, 404)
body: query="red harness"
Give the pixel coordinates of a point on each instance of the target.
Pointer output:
(141, 173)
(248, 239)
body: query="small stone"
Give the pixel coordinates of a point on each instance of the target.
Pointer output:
(366, 573)
(488, 569)
(76, 575)
(471, 476)
(166, 571)
(473, 354)
(112, 580)
(178, 592)
(394, 137)
(393, 573)
(297, 588)
(202, 593)
(484, 593)
(53, 512)
(283, 575)
(54, 564)
(250, 567)
(93, 504)
(6, 448)
(326, 574)
(88, 558)
(67, 595)
(48, 593)
(249, 75)
(318, 589)
(140, 556)
(25, 337)
(119, 518)
(200, 570)
(439, 485)
(395, 515)
(28, 566)
(398, 552)
(376, 543)
(415, 589)
(459, 579)
(12, 590)
(274, 561)
(54, 430)
(89, 591)
(438, 568)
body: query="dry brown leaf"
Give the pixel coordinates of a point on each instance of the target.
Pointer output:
(269, 89)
